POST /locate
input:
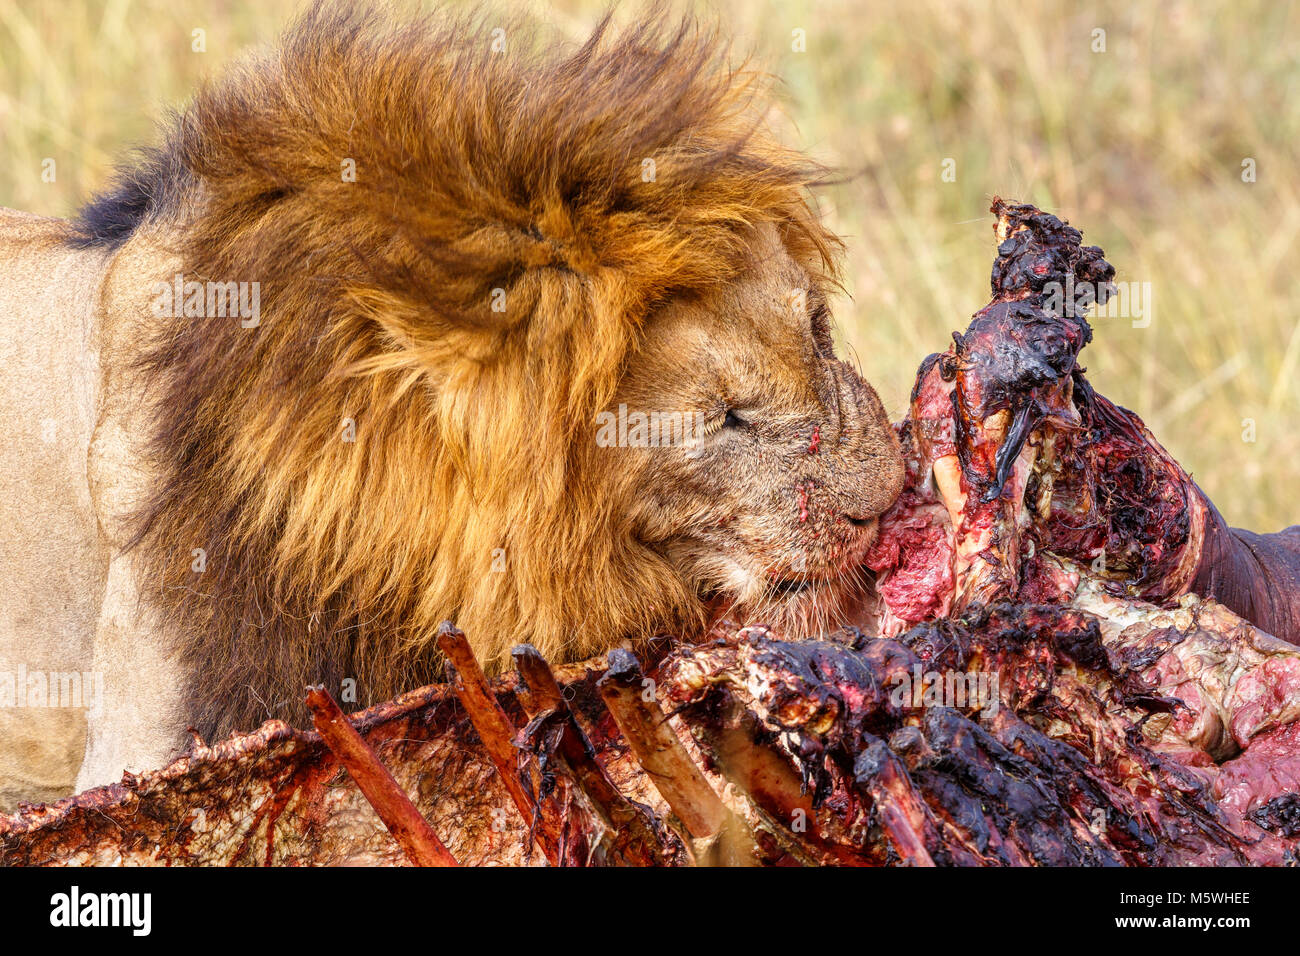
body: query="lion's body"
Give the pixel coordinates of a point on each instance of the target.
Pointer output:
(402, 431)
(69, 473)
(53, 567)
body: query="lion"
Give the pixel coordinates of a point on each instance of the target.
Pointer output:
(397, 326)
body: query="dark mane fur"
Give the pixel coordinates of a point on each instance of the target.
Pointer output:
(152, 187)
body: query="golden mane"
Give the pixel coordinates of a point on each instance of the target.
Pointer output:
(471, 491)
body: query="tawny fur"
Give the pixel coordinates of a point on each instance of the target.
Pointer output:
(476, 171)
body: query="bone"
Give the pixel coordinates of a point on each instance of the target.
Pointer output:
(724, 838)
(629, 832)
(411, 831)
(497, 734)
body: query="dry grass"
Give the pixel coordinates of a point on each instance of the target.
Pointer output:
(1141, 146)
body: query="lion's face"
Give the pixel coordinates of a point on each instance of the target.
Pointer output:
(413, 440)
(769, 502)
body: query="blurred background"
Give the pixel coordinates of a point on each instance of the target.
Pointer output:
(1142, 124)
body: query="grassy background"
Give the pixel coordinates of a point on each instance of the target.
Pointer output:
(1140, 145)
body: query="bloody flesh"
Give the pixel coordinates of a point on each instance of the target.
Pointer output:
(1015, 461)
(1047, 679)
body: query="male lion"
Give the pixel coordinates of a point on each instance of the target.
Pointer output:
(372, 341)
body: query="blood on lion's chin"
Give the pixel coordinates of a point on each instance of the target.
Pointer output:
(800, 603)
